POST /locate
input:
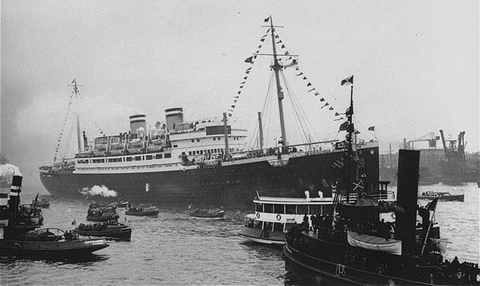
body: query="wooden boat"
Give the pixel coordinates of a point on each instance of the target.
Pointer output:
(216, 213)
(115, 231)
(50, 242)
(142, 211)
(376, 243)
(442, 196)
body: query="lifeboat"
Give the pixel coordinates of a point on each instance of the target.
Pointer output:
(375, 243)
(135, 146)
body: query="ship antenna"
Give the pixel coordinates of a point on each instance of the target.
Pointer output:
(276, 69)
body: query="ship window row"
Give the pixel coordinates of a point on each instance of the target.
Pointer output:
(231, 138)
(235, 138)
(132, 167)
(290, 209)
(126, 159)
(210, 151)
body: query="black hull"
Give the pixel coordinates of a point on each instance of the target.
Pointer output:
(451, 198)
(149, 213)
(122, 234)
(339, 273)
(53, 249)
(229, 185)
(335, 259)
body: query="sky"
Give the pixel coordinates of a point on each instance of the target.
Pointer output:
(415, 65)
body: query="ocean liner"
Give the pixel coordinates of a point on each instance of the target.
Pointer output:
(206, 161)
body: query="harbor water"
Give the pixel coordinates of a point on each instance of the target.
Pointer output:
(175, 249)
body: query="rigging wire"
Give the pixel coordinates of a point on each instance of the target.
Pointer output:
(68, 139)
(265, 102)
(296, 109)
(62, 130)
(269, 111)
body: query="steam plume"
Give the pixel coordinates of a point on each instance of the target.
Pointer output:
(97, 190)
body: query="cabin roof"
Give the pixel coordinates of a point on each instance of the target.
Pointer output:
(292, 201)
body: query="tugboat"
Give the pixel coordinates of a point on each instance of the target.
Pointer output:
(360, 246)
(215, 213)
(102, 213)
(442, 196)
(21, 235)
(274, 216)
(142, 210)
(113, 230)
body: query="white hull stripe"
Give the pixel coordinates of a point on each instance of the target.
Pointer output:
(14, 188)
(13, 194)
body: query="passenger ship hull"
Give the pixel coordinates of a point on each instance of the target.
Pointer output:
(233, 184)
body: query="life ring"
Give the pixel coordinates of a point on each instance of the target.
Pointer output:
(279, 217)
(258, 215)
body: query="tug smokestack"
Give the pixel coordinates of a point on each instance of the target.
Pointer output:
(407, 193)
(14, 197)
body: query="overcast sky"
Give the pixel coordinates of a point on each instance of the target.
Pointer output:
(415, 65)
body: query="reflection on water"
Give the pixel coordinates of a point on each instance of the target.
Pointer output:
(174, 249)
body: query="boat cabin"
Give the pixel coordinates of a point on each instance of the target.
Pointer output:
(277, 214)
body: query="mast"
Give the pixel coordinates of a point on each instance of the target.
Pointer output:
(276, 68)
(351, 170)
(76, 91)
(260, 131)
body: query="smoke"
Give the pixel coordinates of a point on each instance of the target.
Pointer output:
(96, 190)
(7, 171)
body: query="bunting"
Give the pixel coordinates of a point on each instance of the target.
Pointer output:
(249, 60)
(287, 60)
(301, 74)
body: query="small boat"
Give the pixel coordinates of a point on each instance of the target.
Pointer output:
(373, 242)
(43, 203)
(274, 216)
(122, 204)
(50, 242)
(216, 213)
(102, 213)
(142, 211)
(442, 196)
(117, 231)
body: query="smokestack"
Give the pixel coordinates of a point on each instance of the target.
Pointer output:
(407, 193)
(173, 117)
(138, 122)
(14, 197)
